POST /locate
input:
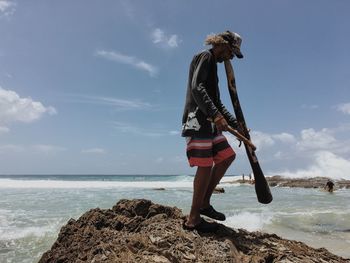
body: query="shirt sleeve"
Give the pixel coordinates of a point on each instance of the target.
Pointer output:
(232, 121)
(199, 89)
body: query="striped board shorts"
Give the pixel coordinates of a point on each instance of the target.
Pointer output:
(206, 151)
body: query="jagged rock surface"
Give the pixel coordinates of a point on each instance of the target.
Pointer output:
(141, 231)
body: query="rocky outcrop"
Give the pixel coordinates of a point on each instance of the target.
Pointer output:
(315, 182)
(219, 190)
(141, 231)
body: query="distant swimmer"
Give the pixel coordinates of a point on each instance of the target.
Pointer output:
(329, 187)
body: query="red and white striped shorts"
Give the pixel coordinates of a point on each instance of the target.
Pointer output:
(204, 152)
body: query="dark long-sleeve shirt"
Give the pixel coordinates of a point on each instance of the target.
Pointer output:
(203, 98)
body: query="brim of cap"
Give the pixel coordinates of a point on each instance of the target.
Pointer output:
(238, 53)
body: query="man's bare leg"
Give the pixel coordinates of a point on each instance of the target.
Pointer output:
(217, 173)
(200, 185)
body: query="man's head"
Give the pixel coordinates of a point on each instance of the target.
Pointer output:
(227, 39)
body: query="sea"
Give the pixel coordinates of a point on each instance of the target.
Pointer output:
(33, 208)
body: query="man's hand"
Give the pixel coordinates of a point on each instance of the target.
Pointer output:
(220, 123)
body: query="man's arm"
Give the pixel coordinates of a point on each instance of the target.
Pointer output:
(199, 90)
(227, 115)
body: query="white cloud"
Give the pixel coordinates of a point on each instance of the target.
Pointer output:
(344, 108)
(312, 153)
(344, 127)
(7, 7)
(129, 60)
(135, 130)
(159, 160)
(279, 155)
(94, 151)
(37, 148)
(8, 75)
(324, 139)
(174, 132)
(311, 140)
(325, 164)
(48, 149)
(310, 107)
(13, 108)
(263, 140)
(159, 37)
(5, 149)
(126, 104)
(128, 9)
(120, 104)
(4, 130)
(179, 159)
(284, 137)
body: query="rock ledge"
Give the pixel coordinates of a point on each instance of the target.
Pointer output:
(141, 231)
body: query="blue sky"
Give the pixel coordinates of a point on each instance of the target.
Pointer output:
(98, 87)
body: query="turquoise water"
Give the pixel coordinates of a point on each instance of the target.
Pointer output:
(34, 208)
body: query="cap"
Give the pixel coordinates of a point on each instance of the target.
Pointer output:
(234, 40)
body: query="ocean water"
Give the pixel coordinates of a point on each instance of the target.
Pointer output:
(34, 208)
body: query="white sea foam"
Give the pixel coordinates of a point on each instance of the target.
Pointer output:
(184, 178)
(3, 217)
(229, 179)
(9, 183)
(18, 233)
(249, 221)
(312, 213)
(179, 182)
(12, 226)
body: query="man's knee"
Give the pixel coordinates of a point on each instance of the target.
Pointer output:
(203, 171)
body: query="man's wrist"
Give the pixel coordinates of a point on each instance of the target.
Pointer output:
(218, 117)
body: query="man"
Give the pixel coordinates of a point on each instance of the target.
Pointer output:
(329, 186)
(204, 119)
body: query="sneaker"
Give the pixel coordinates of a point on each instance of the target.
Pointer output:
(212, 213)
